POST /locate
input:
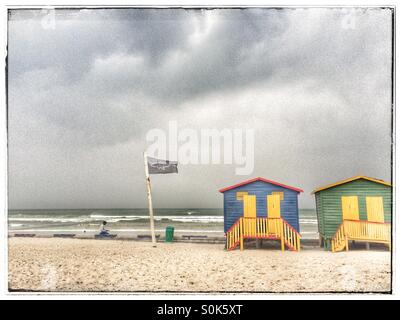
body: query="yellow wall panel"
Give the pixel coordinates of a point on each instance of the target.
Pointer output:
(240, 194)
(280, 194)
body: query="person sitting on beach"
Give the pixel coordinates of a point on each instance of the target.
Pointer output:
(103, 230)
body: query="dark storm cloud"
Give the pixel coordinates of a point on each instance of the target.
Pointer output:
(80, 36)
(315, 83)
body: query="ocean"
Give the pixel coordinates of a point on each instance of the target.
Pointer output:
(198, 221)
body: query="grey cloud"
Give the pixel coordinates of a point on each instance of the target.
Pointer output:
(102, 78)
(80, 36)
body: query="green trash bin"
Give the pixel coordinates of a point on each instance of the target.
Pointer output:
(169, 234)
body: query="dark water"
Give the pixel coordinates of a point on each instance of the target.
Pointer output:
(189, 220)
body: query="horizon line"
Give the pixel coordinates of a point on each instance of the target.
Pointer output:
(107, 208)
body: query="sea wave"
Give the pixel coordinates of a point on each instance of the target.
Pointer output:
(16, 225)
(115, 219)
(308, 221)
(50, 219)
(95, 219)
(114, 230)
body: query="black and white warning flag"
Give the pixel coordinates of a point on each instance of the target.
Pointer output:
(158, 166)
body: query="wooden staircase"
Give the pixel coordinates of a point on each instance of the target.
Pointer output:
(359, 230)
(262, 228)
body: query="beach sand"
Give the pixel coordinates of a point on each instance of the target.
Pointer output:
(42, 264)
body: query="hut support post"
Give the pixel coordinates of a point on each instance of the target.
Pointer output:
(298, 244)
(367, 245)
(282, 236)
(347, 243)
(241, 234)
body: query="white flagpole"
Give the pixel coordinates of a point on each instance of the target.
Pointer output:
(146, 168)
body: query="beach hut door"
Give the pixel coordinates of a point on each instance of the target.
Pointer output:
(249, 206)
(375, 209)
(350, 208)
(274, 206)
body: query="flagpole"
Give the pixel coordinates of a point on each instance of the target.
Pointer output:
(146, 169)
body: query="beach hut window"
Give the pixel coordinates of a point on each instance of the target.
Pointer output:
(375, 209)
(280, 194)
(239, 195)
(350, 208)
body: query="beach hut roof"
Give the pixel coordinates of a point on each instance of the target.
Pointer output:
(259, 179)
(349, 180)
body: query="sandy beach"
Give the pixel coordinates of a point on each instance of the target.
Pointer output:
(41, 264)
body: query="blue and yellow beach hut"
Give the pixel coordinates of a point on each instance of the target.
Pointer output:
(261, 209)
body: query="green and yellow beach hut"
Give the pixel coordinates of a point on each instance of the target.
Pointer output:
(358, 209)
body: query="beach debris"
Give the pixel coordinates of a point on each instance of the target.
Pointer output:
(105, 236)
(25, 235)
(191, 236)
(64, 235)
(146, 236)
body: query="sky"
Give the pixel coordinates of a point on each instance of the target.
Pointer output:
(86, 86)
